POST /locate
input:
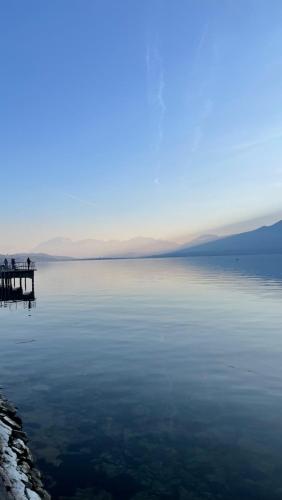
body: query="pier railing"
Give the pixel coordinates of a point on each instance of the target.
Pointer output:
(17, 266)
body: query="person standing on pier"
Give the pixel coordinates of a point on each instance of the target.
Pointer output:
(28, 262)
(6, 263)
(13, 263)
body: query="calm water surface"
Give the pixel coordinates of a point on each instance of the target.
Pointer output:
(151, 379)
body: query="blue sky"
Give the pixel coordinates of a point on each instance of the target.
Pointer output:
(155, 118)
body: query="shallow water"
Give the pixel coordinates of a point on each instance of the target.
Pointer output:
(151, 379)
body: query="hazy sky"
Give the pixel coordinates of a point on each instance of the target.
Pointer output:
(134, 117)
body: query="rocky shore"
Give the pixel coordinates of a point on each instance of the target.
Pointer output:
(19, 479)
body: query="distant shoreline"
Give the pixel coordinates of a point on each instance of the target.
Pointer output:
(143, 257)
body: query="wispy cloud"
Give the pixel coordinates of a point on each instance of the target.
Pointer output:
(155, 95)
(198, 133)
(201, 42)
(161, 103)
(201, 93)
(80, 200)
(262, 138)
(258, 141)
(197, 137)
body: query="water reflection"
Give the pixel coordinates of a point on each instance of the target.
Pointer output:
(152, 379)
(263, 267)
(11, 296)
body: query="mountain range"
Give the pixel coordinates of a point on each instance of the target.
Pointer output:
(92, 248)
(264, 240)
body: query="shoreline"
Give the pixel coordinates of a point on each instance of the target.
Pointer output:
(19, 478)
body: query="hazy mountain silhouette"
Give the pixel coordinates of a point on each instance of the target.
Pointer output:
(266, 239)
(37, 257)
(91, 248)
(205, 238)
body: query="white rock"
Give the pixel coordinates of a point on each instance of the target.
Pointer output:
(16, 475)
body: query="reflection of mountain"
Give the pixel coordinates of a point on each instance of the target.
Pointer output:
(91, 248)
(259, 267)
(265, 240)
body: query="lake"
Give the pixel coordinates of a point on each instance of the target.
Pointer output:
(151, 379)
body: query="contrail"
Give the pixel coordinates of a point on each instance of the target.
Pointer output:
(156, 86)
(80, 200)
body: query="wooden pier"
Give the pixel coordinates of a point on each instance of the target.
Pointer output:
(13, 281)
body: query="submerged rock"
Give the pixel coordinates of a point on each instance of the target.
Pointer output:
(19, 479)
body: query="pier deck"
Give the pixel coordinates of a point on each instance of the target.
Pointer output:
(20, 267)
(20, 271)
